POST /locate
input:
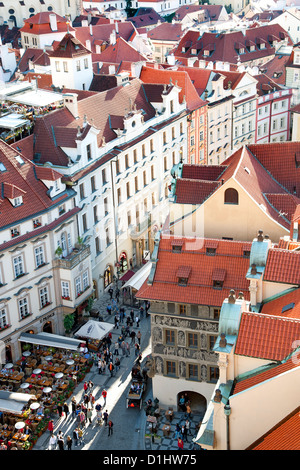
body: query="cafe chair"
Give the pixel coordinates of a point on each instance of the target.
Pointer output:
(28, 371)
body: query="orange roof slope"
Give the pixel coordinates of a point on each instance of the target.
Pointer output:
(283, 266)
(151, 75)
(287, 305)
(286, 436)
(228, 259)
(266, 336)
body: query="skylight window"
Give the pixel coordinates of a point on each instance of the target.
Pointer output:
(288, 307)
(2, 167)
(19, 159)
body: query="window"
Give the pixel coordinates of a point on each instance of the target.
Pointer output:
(136, 184)
(213, 374)
(171, 106)
(216, 313)
(78, 289)
(23, 307)
(84, 223)
(181, 128)
(192, 340)
(86, 63)
(18, 201)
(145, 178)
(210, 251)
(65, 290)
(231, 196)
(105, 202)
(182, 281)
(18, 266)
(152, 173)
(104, 180)
(164, 138)
(217, 284)
(107, 237)
(15, 232)
(78, 65)
(39, 256)
(85, 280)
(65, 65)
(201, 135)
(119, 196)
(135, 156)
(128, 218)
(97, 245)
(57, 66)
(81, 191)
(171, 368)
(95, 211)
(211, 342)
(173, 133)
(182, 309)
(128, 189)
(44, 297)
(165, 163)
(89, 152)
(3, 317)
(126, 161)
(93, 184)
(61, 210)
(143, 151)
(151, 146)
(193, 371)
(170, 337)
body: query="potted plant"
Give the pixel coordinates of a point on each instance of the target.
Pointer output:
(59, 251)
(69, 322)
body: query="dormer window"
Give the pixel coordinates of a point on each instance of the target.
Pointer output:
(17, 201)
(182, 274)
(211, 247)
(210, 251)
(218, 278)
(217, 284)
(177, 246)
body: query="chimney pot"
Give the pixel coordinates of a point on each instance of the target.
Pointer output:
(241, 296)
(260, 236)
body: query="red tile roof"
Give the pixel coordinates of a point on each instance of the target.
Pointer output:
(285, 305)
(119, 51)
(21, 179)
(268, 374)
(222, 46)
(285, 436)
(40, 24)
(166, 32)
(280, 160)
(266, 336)
(283, 266)
(152, 75)
(189, 191)
(199, 290)
(69, 47)
(102, 32)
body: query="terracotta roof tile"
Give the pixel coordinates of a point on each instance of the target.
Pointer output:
(199, 290)
(285, 304)
(266, 336)
(283, 266)
(284, 437)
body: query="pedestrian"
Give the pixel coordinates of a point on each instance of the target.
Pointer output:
(104, 396)
(117, 318)
(92, 400)
(139, 335)
(180, 443)
(60, 409)
(110, 427)
(132, 315)
(184, 432)
(105, 417)
(116, 352)
(85, 386)
(142, 312)
(82, 419)
(80, 436)
(117, 294)
(86, 399)
(127, 349)
(187, 427)
(117, 364)
(98, 408)
(123, 348)
(52, 442)
(66, 410)
(177, 431)
(51, 426)
(137, 321)
(111, 291)
(182, 403)
(69, 443)
(137, 349)
(75, 436)
(60, 441)
(90, 386)
(132, 335)
(111, 368)
(89, 415)
(73, 407)
(108, 309)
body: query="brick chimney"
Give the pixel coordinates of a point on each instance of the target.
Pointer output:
(53, 21)
(70, 102)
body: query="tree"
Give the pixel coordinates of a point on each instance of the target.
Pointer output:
(69, 322)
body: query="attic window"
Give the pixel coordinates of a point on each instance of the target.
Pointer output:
(2, 167)
(217, 284)
(288, 307)
(17, 201)
(211, 251)
(246, 253)
(177, 246)
(182, 275)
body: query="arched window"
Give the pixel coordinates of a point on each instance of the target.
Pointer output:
(231, 196)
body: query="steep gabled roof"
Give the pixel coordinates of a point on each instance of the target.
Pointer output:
(283, 266)
(69, 47)
(120, 51)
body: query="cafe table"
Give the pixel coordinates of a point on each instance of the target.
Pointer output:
(19, 436)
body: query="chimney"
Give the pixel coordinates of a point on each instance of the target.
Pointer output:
(88, 44)
(231, 297)
(1, 21)
(84, 23)
(112, 37)
(10, 23)
(112, 69)
(117, 27)
(53, 22)
(91, 29)
(241, 296)
(70, 102)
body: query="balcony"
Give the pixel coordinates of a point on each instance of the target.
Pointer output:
(72, 259)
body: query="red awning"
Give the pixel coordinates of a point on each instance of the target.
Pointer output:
(127, 275)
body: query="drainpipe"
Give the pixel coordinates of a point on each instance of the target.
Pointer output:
(227, 411)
